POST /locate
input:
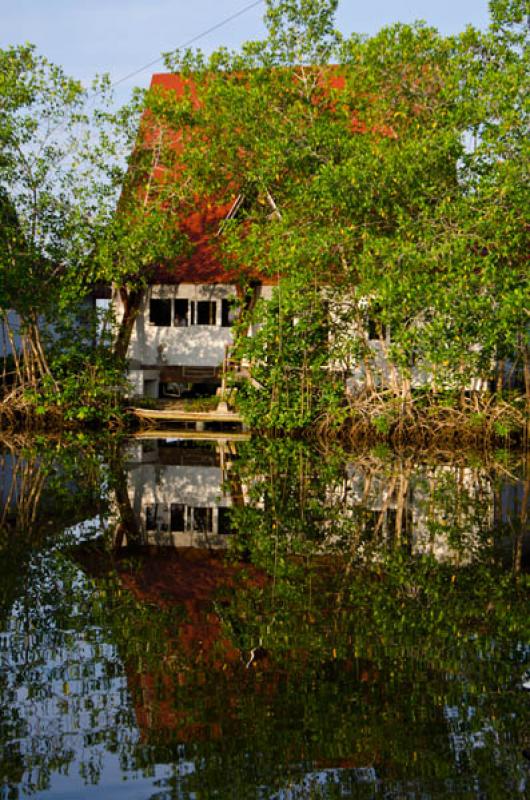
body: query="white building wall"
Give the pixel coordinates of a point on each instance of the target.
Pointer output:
(192, 486)
(153, 347)
(194, 345)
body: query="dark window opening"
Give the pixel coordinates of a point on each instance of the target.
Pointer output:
(322, 324)
(225, 522)
(160, 312)
(180, 318)
(206, 312)
(391, 521)
(172, 389)
(150, 518)
(177, 517)
(376, 328)
(202, 520)
(156, 517)
(228, 313)
(370, 519)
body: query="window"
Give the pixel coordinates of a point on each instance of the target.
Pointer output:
(228, 313)
(150, 518)
(182, 312)
(202, 520)
(177, 517)
(180, 317)
(376, 329)
(160, 312)
(206, 312)
(224, 524)
(156, 517)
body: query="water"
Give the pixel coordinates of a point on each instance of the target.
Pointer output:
(262, 620)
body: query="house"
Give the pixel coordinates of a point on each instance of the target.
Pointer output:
(183, 327)
(182, 331)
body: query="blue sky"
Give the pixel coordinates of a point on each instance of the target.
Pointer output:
(119, 36)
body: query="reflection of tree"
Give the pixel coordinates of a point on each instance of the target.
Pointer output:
(62, 693)
(367, 650)
(522, 528)
(370, 650)
(356, 505)
(127, 524)
(511, 517)
(21, 482)
(46, 488)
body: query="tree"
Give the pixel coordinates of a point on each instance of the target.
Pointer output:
(357, 185)
(62, 169)
(55, 169)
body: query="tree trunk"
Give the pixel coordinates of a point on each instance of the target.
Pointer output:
(131, 301)
(127, 524)
(523, 352)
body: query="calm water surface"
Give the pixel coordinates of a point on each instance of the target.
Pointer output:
(261, 620)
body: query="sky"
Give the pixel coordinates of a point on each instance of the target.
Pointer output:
(120, 36)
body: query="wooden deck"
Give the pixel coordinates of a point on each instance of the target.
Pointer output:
(179, 415)
(213, 436)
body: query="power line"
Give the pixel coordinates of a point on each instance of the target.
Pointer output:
(191, 41)
(92, 96)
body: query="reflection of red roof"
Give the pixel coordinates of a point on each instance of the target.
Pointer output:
(204, 263)
(189, 579)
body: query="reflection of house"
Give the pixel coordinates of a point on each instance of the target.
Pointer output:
(452, 511)
(176, 492)
(181, 493)
(443, 511)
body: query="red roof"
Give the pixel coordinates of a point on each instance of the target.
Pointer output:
(204, 265)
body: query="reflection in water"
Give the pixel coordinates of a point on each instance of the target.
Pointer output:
(176, 492)
(264, 623)
(181, 494)
(64, 693)
(440, 510)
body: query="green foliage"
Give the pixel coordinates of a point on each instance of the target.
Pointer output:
(54, 173)
(393, 183)
(88, 382)
(62, 167)
(291, 385)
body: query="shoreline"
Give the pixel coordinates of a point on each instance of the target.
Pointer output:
(420, 422)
